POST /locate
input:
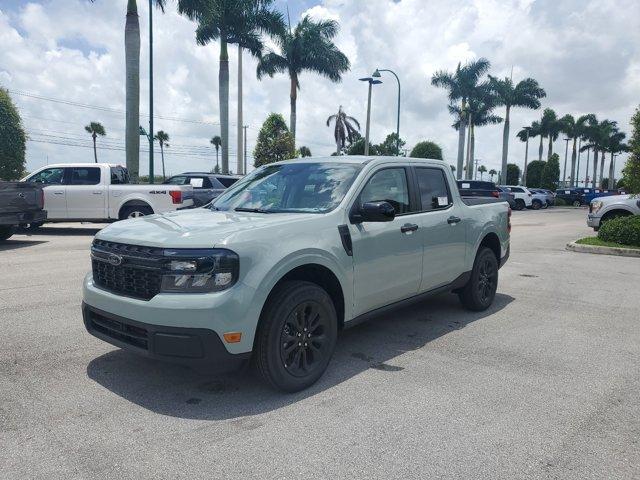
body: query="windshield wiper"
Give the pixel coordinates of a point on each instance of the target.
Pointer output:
(252, 210)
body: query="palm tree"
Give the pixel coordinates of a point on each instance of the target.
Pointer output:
(550, 127)
(527, 93)
(346, 129)
(574, 129)
(524, 136)
(482, 169)
(492, 173)
(461, 84)
(614, 146)
(216, 142)
(132, 86)
(304, 151)
(95, 129)
(162, 138)
(240, 22)
(597, 134)
(308, 47)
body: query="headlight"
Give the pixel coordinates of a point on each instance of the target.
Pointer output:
(595, 206)
(199, 270)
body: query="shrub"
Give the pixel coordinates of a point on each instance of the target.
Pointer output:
(623, 230)
(427, 149)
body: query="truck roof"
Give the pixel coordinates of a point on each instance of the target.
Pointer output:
(361, 159)
(86, 164)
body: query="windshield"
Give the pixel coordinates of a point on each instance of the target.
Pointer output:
(290, 187)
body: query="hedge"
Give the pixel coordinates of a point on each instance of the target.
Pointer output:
(623, 230)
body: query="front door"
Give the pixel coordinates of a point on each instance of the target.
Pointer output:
(55, 190)
(86, 193)
(387, 255)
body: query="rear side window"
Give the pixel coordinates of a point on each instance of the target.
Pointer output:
(516, 189)
(432, 184)
(388, 185)
(85, 176)
(176, 181)
(119, 176)
(227, 182)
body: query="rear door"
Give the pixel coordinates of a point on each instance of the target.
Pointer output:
(86, 193)
(442, 229)
(387, 255)
(53, 184)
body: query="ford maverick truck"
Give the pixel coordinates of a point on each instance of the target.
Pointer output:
(292, 253)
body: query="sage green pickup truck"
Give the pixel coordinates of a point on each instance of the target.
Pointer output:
(274, 267)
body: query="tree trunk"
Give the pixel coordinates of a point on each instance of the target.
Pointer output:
(577, 177)
(595, 167)
(526, 161)
(461, 136)
(540, 148)
(574, 156)
(469, 162)
(95, 152)
(293, 97)
(132, 90)
(223, 97)
(240, 121)
(217, 164)
(611, 173)
(602, 159)
(472, 143)
(505, 139)
(550, 152)
(164, 177)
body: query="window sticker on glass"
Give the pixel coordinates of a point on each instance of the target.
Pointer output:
(466, 185)
(443, 201)
(196, 182)
(567, 192)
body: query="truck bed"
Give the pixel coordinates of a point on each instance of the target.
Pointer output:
(471, 201)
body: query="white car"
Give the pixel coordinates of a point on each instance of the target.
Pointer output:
(602, 209)
(100, 192)
(523, 196)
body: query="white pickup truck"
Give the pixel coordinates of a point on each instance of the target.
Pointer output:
(101, 192)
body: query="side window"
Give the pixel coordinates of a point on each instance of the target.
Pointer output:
(516, 190)
(196, 182)
(49, 176)
(226, 181)
(434, 193)
(388, 185)
(85, 176)
(119, 176)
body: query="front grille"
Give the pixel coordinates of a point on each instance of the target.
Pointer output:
(136, 336)
(138, 275)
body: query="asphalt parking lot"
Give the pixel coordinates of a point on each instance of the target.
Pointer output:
(543, 385)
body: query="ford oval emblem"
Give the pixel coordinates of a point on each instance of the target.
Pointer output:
(114, 259)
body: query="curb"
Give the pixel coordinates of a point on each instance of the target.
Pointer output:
(617, 251)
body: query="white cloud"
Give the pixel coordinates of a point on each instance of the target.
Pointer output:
(585, 54)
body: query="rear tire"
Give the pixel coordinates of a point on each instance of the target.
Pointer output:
(520, 205)
(35, 225)
(296, 337)
(5, 232)
(135, 211)
(576, 203)
(479, 292)
(536, 204)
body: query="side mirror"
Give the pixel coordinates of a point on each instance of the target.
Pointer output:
(376, 212)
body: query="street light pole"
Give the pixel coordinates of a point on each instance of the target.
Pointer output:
(566, 152)
(366, 137)
(376, 74)
(526, 156)
(577, 174)
(151, 174)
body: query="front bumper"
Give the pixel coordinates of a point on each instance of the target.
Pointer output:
(593, 221)
(198, 348)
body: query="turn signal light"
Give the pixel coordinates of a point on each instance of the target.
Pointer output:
(232, 337)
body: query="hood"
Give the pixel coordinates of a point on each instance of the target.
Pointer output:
(606, 199)
(196, 228)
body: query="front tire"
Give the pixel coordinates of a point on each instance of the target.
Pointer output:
(479, 292)
(296, 337)
(520, 205)
(536, 205)
(576, 203)
(135, 211)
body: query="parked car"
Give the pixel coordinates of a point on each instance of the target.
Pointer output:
(206, 186)
(605, 208)
(571, 196)
(523, 196)
(225, 179)
(99, 192)
(508, 196)
(538, 200)
(274, 268)
(549, 197)
(20, 204)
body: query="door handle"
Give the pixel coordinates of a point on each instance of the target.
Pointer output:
(58, 193)
(453, 220)
(408, 227)
(97, 193)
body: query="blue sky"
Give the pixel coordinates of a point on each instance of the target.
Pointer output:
(586, 54)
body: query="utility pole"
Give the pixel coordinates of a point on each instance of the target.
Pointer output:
(151, 174)
(372, 82)
(564, 172)
(376, 74)
(577, 173)
(244, 170)
(241, 162)
(475, 168)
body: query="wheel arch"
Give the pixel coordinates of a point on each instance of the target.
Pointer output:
(616, 211)
(491, 241)
(134, 202)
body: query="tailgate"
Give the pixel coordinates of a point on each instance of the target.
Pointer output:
(16, 197)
